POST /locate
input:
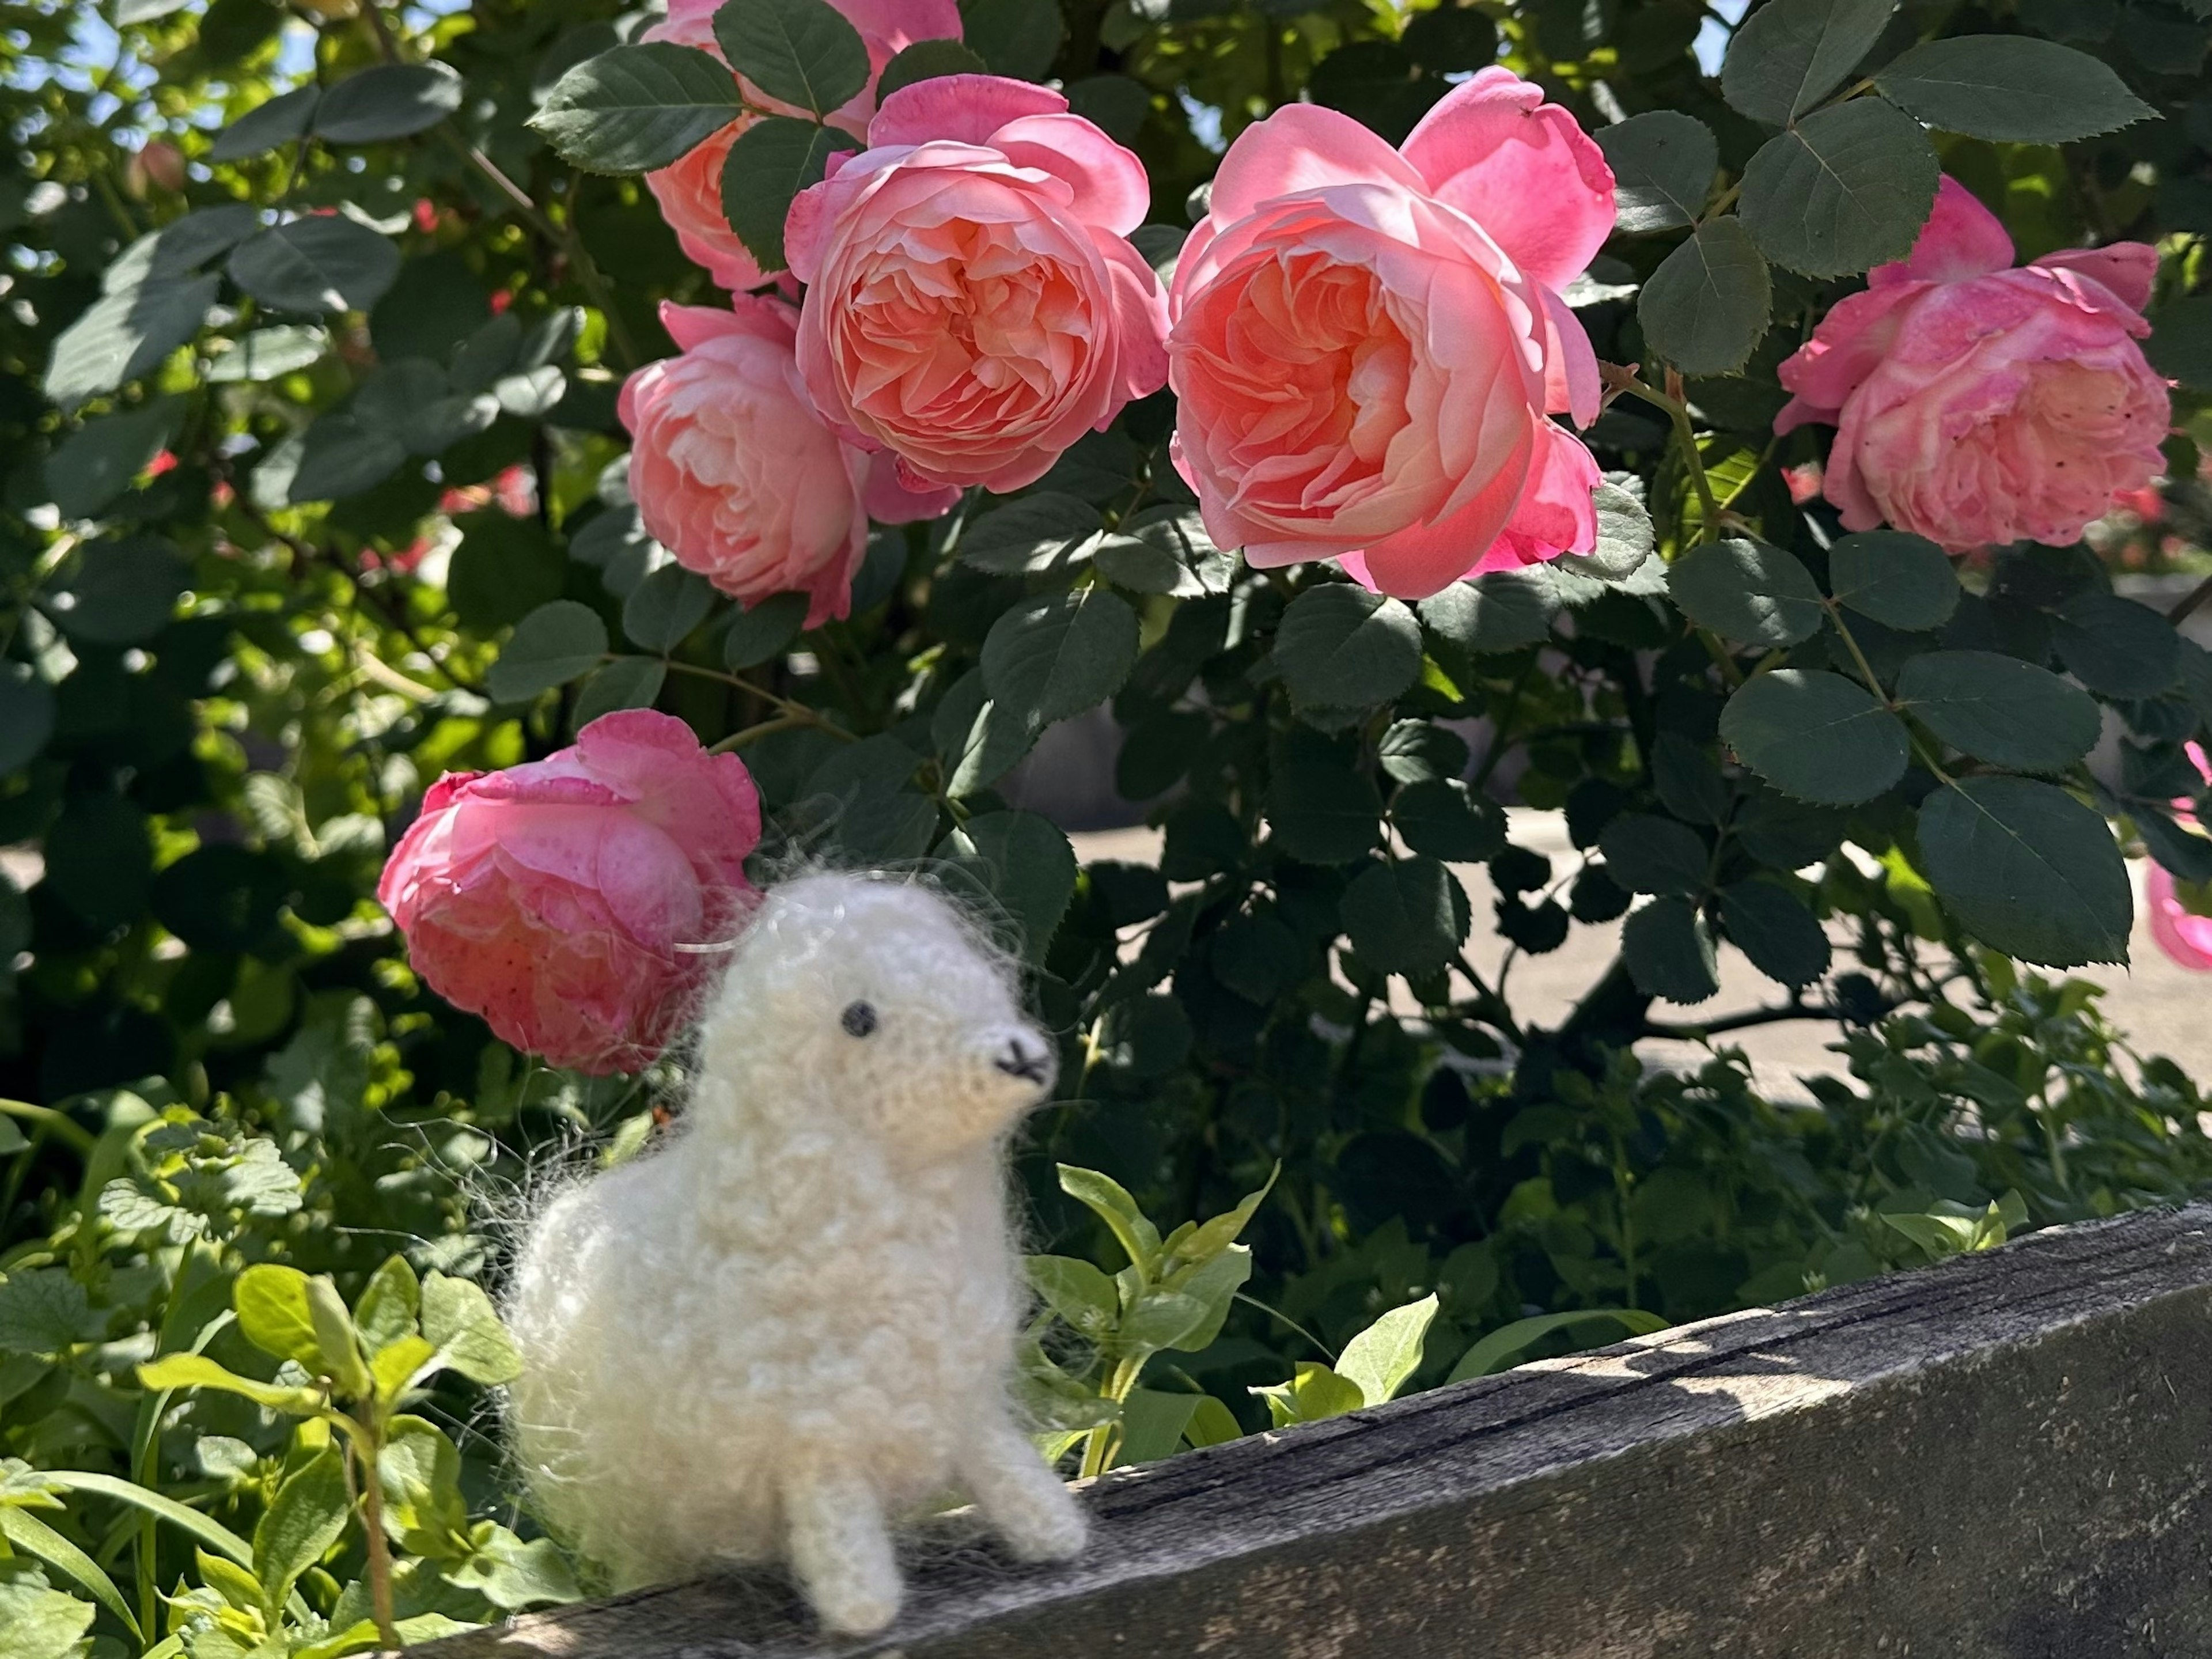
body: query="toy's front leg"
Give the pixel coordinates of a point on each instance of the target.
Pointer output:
(1020, 1496)
(840, 1548)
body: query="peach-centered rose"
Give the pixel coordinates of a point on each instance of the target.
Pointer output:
(2180, 931)
(1368, 342)
(973, 305)
(551, 898)
(735, 474)
(1977, 404)
(691, 192)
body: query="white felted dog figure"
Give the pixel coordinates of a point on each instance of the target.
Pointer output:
(797, 1323)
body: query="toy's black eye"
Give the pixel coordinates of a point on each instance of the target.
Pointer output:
(859, 1019)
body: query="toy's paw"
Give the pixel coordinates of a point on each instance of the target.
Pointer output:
(1050, 1530)
(855, 1607)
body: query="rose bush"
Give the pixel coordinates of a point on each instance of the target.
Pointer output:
(504, 448)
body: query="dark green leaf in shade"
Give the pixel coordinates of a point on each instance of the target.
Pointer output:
(1442, 817)
(278, 120)
(324, 262)
(633, 109)
(387, 101)
(1340, 646)
(503, 569)
(1407, 917)
(2180, 343)
(2117, 646)
(1415, 752)
(625, 683)
(1999, 710)
(1026, 867)
(1647, 853)
(126, 334)
(1902, 581)
(2010, 88)
(802, 52)
(771, 163)
(1670, 951)
(763, 630)
(666, 607)
(1059, 655)
(1322, 814)
(926, 60)
(1662, 165)
(119, 592)
(96, 464)
(1771, 926)
(1706, 306)
(1016, 38)
(1749, 591)
(99, 861)
(1688, 782)
(1845, 189)
(1816, 736)
(26, 719)
(2027, 870)
(2186, 854)
(1041, 532)
(1790, 54)
(554, 644)
(1501, 611)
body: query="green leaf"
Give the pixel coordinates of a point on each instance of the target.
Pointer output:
(121, 591)
(2010, 88)
(44, 1311)
(32, 1536)
(1420, 751)
(27, 721)
(95, 464)
(1662, 164)
(2117, 646)
(1382, 1356)
(2180, 343)
(277, 121)
(1210, 1237)
(420, 1471)
(1078, 1292)
(1902, 581)
(1816, 736)
(325, 262)
(661, 611)
(338, 1348)
(801, 51)
(389, 100)
(1323, 814)
(460, 1322)
(1745, 590)
(192, 1370)
(1038, 534)
(771, 163)
(388, 1304)
(1502, 610)
(1647, 853)
(1016, 38)
(1340, 646)
(554, 644)
(40, 1622)
(1444, 818)
(125, 335)
(763, 630)
(1497, 1351)
(926, 60)
(1106, 1198)
(503, 569)
(2028, 870)
(1314, 1394)
(1670, 951)
(1771, 924)
(1791, 54)
(1059, 655)
(1626, 538)
(335, 458)
(1153, 1425)
(1027, 867)
(512, 1575)
(637, 108)
(1688, 781)
(1706, 306)
(269, 354)
(305, 1518)
(1407, 917)
(273, 1315)
(625, 683)
(2000, 709)
(1845, 189)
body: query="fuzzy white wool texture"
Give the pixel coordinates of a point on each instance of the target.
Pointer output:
(796, 1323)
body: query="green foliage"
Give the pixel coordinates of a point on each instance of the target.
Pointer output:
(315, 492)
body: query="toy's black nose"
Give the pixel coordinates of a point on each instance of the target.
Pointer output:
(1032, 1066)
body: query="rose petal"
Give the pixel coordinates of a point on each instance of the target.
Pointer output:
(1111, 190)
(2128, 269)
(1961, 239)
(1300, 147)
(966, 108)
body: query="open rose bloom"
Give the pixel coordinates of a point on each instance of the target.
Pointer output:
(735, 473)
(1976, 402)
(2178, 931)
(973, 305)
(691, 192)
(1368, 343)
(552, 898)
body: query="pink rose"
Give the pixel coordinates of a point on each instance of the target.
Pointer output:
(691, 192)
(974, 305)
(735, 474)
(551, 898)
(1368, 340)
(2178, 931)
(1976, 403)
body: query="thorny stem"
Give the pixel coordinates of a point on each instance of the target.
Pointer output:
(1670, 401)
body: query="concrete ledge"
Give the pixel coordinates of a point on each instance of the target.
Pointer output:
(2006, 1457)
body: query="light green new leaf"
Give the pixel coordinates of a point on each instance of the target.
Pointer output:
(460, 1321)
(27, 1532)
(192, 1370)
(271, 1300)
(305, 1518)
(1503, 1346)
(1078, 1292)
(1110, 1202)
(1381, 1358)
(1313, 1393)
(387, 1307)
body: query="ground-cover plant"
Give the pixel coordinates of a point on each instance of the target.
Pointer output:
(348, 444)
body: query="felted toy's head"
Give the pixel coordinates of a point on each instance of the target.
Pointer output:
(870, 1000)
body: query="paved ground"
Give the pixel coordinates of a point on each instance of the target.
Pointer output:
(2163, 1007)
